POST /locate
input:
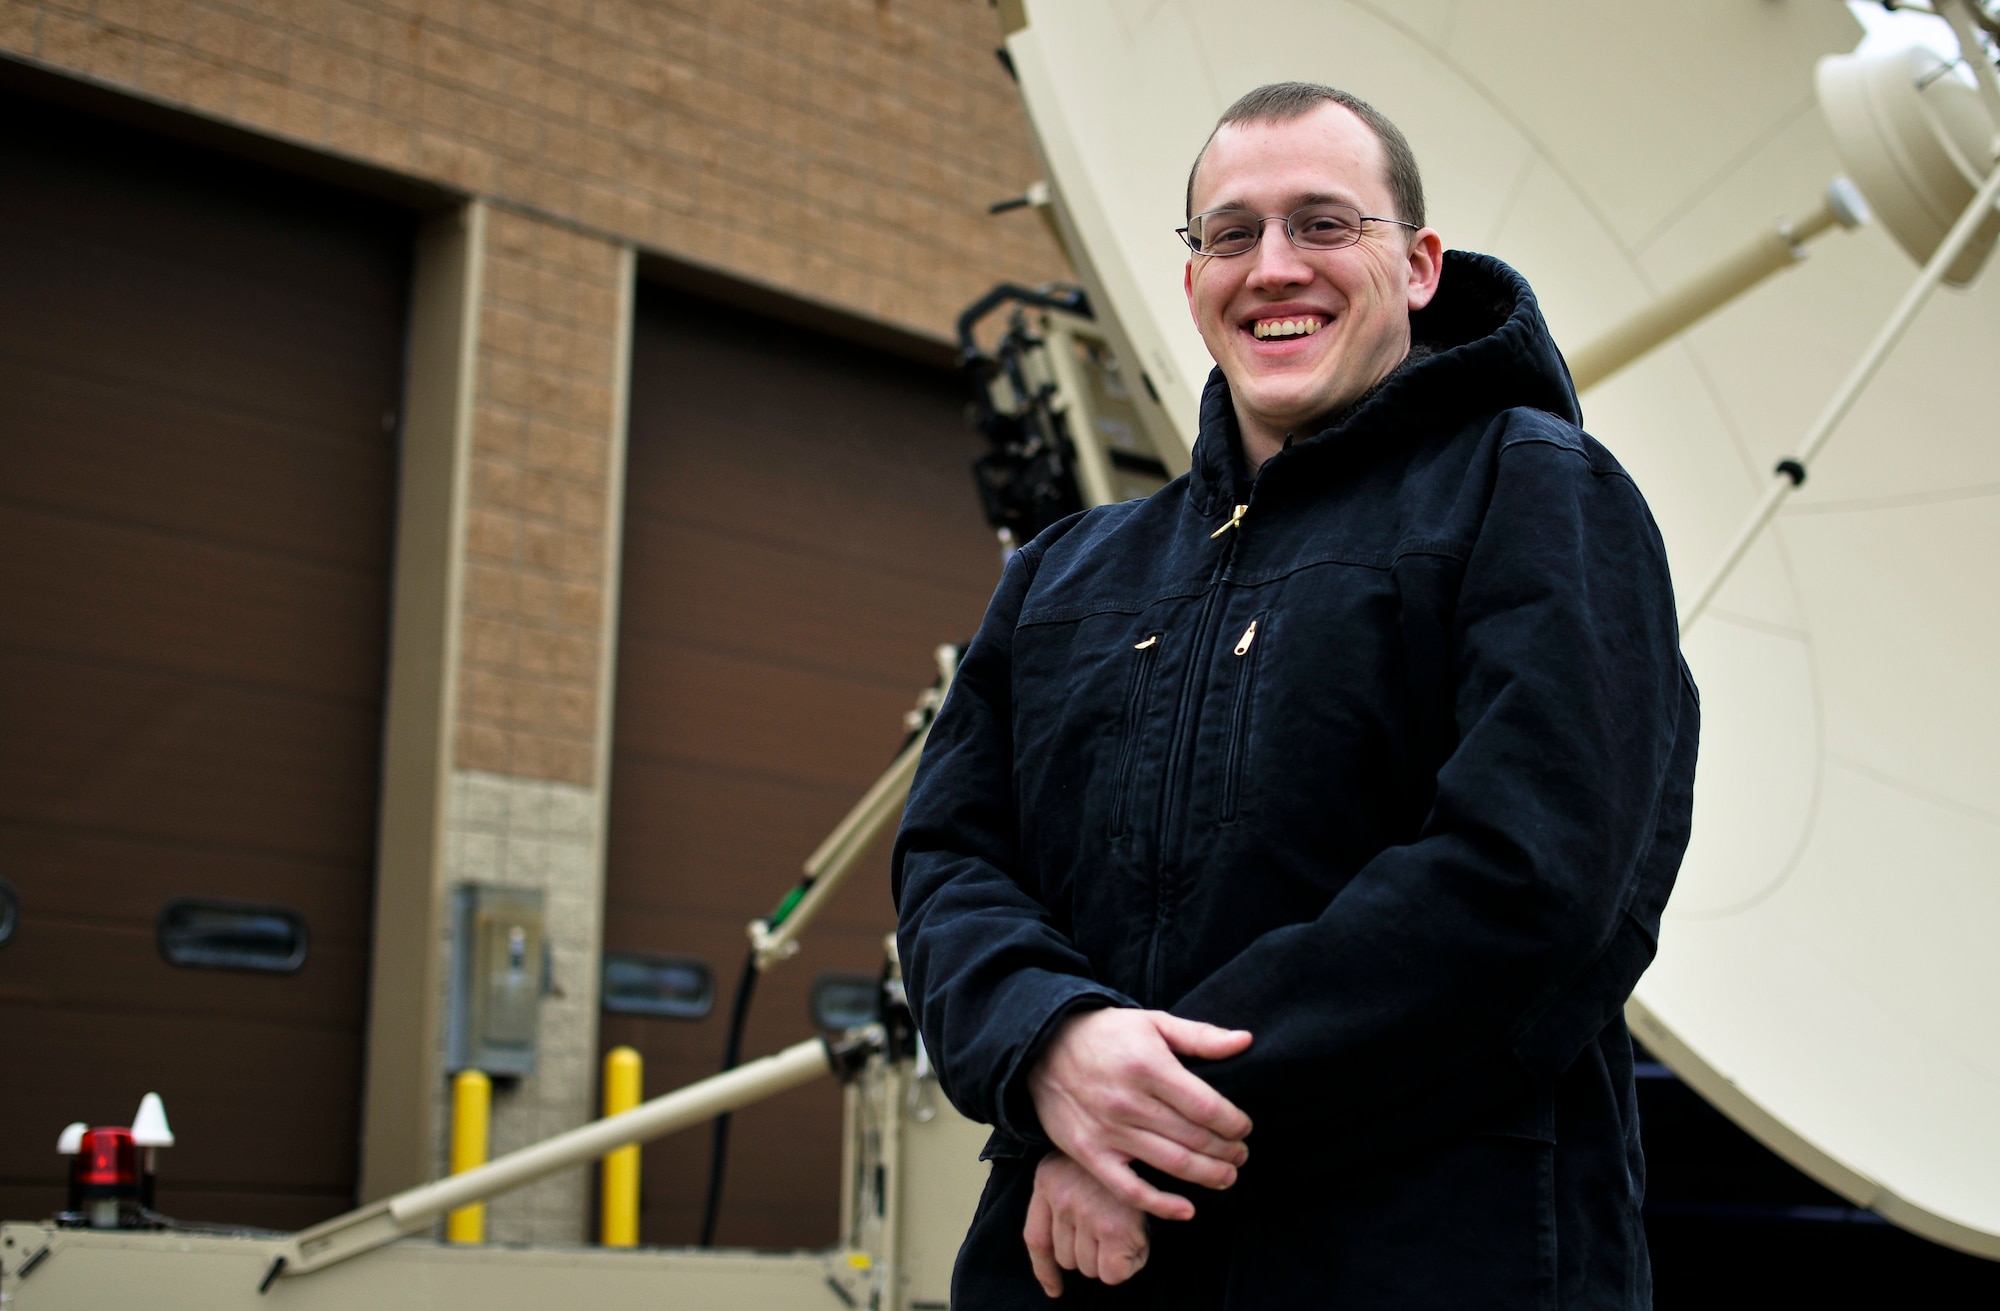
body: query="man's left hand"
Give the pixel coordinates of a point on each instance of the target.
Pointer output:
(1110, 1089)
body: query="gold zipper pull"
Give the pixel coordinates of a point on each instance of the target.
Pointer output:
(1148, 642)
(1235, 521)
(1249, 636)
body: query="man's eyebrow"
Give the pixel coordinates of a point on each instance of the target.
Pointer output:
(1297, 202)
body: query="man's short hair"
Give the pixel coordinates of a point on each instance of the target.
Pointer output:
(1280, 102)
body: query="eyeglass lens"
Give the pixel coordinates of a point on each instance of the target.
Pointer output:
(1233, 231)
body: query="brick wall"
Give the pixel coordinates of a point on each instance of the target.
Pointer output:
(841, 150)
(538, 503)
(527, 805)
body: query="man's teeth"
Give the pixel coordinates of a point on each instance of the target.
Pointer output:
(1268, 328)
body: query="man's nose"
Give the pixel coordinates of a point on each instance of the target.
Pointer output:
(1275, 261)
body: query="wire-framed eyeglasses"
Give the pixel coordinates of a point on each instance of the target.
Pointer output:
(1330, 226)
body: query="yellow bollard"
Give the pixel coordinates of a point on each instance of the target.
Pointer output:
(471, 1121)
(624, 1079)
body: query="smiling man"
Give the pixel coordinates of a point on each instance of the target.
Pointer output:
(1289, 842)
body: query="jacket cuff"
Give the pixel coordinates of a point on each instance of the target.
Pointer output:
(1014, 1108)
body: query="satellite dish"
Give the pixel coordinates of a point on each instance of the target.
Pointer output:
(1825, 974)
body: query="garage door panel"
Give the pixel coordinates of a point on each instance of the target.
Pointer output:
(286, 1211)
(801, 532)
(710, 707)
(105, 878)
(855, 458)
(252, 1104)
(118, 968)
(248, 286)
(107, 593)
(239, 480)
(787, 1196)
(772, 1202)
(693, 578)
(718, 937)
(201, 361)
(690, 847)
(230, 340)
(849, 518)
(275, 226)
(682, 838)
(130, 751)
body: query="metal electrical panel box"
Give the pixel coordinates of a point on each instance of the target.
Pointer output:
(499, 975)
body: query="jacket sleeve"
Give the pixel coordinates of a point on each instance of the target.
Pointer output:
(989, 975)
(1457, 972)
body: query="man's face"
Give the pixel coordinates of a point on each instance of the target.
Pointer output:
(1360, 296)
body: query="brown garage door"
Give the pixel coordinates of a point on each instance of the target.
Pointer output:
(801, 532)
(199, 362)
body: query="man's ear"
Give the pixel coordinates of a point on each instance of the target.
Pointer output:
(1426, 266)
(1187, 285)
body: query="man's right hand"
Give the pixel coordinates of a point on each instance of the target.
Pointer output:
(1110, 1090)
(1073, 1224)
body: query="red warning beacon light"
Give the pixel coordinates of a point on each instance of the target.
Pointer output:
(110, 1183)
(104, 1178)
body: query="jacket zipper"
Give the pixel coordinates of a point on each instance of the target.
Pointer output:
(1239, 718)
(1191, 684)
(1136, 688)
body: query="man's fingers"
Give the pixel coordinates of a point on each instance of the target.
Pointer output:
(1086, 1252)
(1047, 1273)
(1170, 1158)
(1040, 1253)
(1188, 1095)
(1121, 1246)
(1118, 1262)
(1193, 1038)
(1077, 1221)
(1063, 1234)
(1119, 1180)
(1157, 1117)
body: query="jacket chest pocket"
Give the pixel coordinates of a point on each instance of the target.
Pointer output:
(1244, 655)
(1138, 687)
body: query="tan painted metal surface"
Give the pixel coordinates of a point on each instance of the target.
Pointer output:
(182, 1272)
(1773, 250)
(404, 1042)
(912, 1176)
(415, 1209)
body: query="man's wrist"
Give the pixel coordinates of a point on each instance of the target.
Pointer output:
(1017, 1105)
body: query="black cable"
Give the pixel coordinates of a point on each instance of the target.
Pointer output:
(732, 1049)
(732, 1052)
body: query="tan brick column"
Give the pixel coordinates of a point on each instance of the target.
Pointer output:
(531, 737)
(500, 673)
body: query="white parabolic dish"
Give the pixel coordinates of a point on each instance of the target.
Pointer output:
(1826, 973)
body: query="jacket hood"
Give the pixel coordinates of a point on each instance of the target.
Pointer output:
(1478, 348)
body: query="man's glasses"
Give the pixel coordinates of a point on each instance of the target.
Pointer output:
(1223, 232)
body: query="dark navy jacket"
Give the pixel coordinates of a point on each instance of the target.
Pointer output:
(1395, 774)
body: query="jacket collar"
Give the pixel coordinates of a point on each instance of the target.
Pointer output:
(1489, 350)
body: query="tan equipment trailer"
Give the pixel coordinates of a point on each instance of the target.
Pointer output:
(902, 1144)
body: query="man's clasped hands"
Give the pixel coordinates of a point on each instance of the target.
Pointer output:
(1110, 1090)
